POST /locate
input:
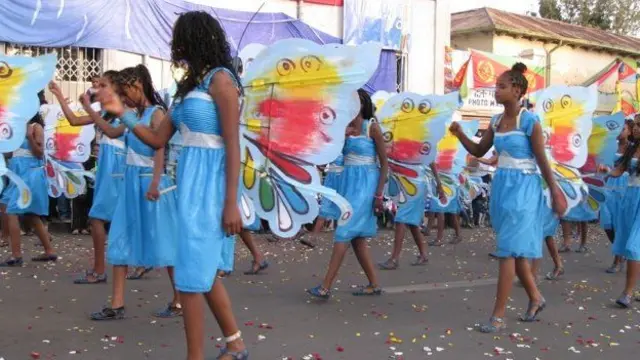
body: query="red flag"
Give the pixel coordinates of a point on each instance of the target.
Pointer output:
(487, 68)
(461, 75)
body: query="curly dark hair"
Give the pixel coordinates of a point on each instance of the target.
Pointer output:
(130, 75)
(200, 42)
(517, 78)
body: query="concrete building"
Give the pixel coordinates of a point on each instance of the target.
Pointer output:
(571, 54)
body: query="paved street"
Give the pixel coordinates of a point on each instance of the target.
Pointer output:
(427, 312)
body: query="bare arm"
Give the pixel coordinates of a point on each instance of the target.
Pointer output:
(107, 129)
(68, 113)
(224, 93)
(158, 158)
(36, 140)
(156, 138)
(376, 135)
(434, 171)
(476, 149)
(537, 144)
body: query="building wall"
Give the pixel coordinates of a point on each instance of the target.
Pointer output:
(563, 61)
(482, 41)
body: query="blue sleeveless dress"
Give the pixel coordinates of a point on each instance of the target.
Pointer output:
(143, 233)
(358, 185)
(201, 179)
(627, 223)
(328, 209)
(111, 161)
(517, 202)
(31, 170)
(228, 254)
(412, 211)
(610, 210)
(551, 222)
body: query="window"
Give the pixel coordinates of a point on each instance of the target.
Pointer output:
(402, 59)
(75, 64)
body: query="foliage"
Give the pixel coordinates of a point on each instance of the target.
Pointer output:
(618, 16)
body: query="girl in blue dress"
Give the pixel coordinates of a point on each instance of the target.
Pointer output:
(144, 231)
(362, 185)
(517, 200)
(108, 177)
(411, 215)
(328, 210)
(27, 163)
(206, 113)
(627, 230)
(610, 211)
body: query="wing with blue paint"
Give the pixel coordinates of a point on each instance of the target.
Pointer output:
(566, 117)
(603, 145)
(21, 78)
(67, 147)
(412, 126)
(299, 99)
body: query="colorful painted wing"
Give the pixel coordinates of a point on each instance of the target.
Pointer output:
(414, 124)
(452, 157)
(405, 181)
(66, 149)
(21, 78)
(566, 114)
(24, 199)
(380, 97)
(603, 144)
(299, 99)
(64, 142)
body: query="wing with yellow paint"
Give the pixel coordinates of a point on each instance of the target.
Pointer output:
(414, 124)
(566, 114)
(21, 78)
(299, 98)
(63, 141)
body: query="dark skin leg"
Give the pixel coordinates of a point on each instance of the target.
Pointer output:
(247, 239)
(633, 268)
(99, 237)
(363, 255)
(337, 257)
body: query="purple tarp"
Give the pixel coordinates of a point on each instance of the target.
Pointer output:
(144, 27)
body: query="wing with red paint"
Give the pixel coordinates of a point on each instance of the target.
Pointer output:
(21, 78)
(452, 156)
(299, 99)
(413, 125)
(63, 141)
(603, 142)
(566, 114)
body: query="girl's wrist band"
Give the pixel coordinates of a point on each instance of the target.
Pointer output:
(130, 119)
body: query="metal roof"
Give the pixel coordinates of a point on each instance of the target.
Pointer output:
(488, 19)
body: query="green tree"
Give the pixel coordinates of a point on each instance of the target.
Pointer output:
(618, 16)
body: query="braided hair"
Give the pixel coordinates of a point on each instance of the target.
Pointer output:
(517, 78)
(366, 105)
(199, 42)
(129, 76)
